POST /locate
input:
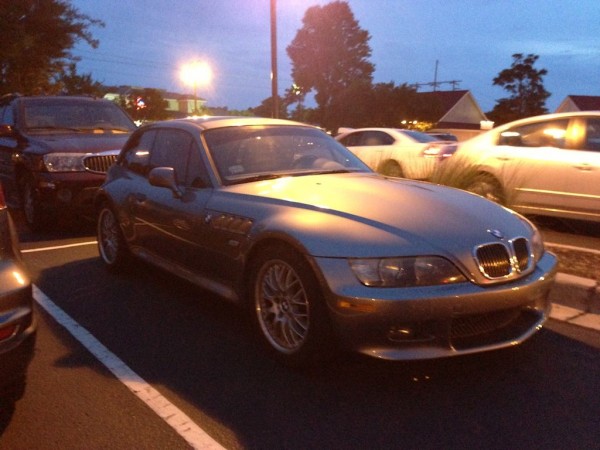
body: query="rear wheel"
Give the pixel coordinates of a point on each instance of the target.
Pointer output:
(111, 243)
(288, 307)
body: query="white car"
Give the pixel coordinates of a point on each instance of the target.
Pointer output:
(397, 152)
(547, 165)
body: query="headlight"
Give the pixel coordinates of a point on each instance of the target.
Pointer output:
(406, 271)
(64, 162)
(537, 244)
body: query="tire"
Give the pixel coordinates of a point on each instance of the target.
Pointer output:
(288, 308)
(35, 217)
(391, 168)
(111, 242)
(488, 187)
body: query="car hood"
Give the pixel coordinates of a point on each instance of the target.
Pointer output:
(76, 143)
(368, 215)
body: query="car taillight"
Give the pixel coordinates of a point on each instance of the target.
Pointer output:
(8, 332)
(438, 151)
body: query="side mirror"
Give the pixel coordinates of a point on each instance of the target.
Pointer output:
(165, 177)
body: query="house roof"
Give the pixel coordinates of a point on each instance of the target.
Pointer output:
(448, 99)
(586, 102)
(458, 109)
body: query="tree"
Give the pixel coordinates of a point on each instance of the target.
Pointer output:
(330, 54)
(37, 36)
(70, 82)
(145, 104)
(266, 108)
(525, 84)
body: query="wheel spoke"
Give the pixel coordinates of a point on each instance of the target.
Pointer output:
(283, 307)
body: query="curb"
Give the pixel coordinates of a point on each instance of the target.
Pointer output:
(576, 300)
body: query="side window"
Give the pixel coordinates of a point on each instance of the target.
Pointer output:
(136, 155)
(376, 138)
(352, 140)
(592, 140)
(197, 176)
(542, 134)
(172, 149)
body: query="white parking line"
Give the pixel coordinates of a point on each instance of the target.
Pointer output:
(177, 419)
(57, 247)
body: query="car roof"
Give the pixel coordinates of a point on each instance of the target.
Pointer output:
(564, 115)
(211, 122)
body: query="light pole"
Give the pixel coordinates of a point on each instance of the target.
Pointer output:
(274, 94)
(194, 74)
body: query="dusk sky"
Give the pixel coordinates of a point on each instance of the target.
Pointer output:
(145, 42)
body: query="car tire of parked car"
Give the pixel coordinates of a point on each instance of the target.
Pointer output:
(288, 308)
(111, 242)
(391, 168)
(488, 187)
(35, 217)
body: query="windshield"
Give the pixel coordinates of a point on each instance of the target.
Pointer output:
(75, 115)
(250, 153)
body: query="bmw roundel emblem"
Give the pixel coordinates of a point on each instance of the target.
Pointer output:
(496, 233)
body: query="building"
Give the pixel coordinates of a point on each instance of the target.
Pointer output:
(178, 105)
(574, 103)
(460, 113)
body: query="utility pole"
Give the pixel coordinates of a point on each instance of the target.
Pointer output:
(274, 94)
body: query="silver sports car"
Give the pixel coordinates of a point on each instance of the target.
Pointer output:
(280, 218)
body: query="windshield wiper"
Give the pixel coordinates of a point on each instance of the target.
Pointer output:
(250, 179)
(51, 127)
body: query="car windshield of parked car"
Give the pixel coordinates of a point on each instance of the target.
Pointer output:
(58, 115)
(250, 153)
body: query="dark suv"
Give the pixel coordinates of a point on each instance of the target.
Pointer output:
(55, 151)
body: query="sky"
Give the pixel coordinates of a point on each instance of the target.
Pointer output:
(146, 42)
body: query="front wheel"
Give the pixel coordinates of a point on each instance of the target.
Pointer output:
(111, 243)
(391, 169)
(35, 216)
(288, 308)
(488, 187)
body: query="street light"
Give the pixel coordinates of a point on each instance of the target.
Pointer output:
(194, 74)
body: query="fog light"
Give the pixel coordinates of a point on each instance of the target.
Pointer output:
(64, 195)
(47, 185)
(404, 333)
(400, 334)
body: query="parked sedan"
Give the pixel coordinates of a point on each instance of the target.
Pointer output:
(546, 165)
(17, 324)
(397, 152)
(280, 218)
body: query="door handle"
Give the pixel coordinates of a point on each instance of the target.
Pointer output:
(583, 166)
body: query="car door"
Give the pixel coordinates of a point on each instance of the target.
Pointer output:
(170, 223)
(582, 168)
(532, 163)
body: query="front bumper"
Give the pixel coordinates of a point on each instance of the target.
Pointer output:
(68, 191)
(436, 321)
